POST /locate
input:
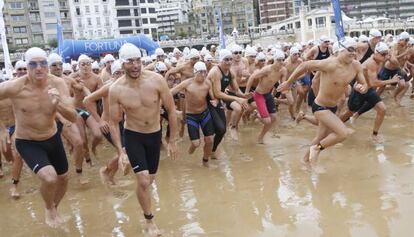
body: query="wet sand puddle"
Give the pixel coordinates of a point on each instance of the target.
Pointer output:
(253, 190)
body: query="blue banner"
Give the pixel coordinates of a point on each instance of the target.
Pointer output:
(59, 36)
(71, 49)
(220, 25)
(339, 27)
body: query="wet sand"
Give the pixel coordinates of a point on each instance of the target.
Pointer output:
(253, 190)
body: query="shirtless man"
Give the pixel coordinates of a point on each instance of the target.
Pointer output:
(95, 68)
(360, 103)
(107, 173)
(240, 70)
(394, 66)
(92, 82)
(106, 73)
(221, 78)
(21, 68)
(69, 130)
(209, 61)
(267, 77)
(198, 116)
(36, 98)
(140, 94)
(291, 63)
(336, 74)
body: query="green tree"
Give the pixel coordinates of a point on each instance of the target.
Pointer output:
(52, 43)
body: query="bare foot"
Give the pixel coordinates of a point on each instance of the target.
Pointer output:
(1, 173)
(412, 96)
(205, 162)
(82, 179)
(105, 177)
(50, 218)
(377, 139)
(191, 149)
(313, 154)
(398, 101)
(233, 134)
(300, 117)
(260, 140)
(152, 229)
(59, 220)
(89, 162)
(14, 193)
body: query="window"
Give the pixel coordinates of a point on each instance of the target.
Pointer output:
(142, 1)
(154, 31)
(35, 17)
(38, 38)
(122, 23)
(151, 10)
(91, 33)
(16, 5)
(89, 20)
(105, 9)
(96, 9)
(87, 10)
(125, 32)
(50, 15)
(143, 10)
(98, 21)
(134, 2)
(22, 41)
(150, 1)
(144, 21)
(320, 21)
(36, 28)
(137, 23)
(21, 29)
(99, 32)
(79, 23)
(136, 12)
(309, 22)
(50, 26)
(76, 1)
(64, 15)
(78, 11)
(123, 12)
(153, 20)
(121, 2)
(297, 25)
(146, 31)
(17, 17)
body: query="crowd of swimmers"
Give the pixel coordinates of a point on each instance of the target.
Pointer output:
(128, 100)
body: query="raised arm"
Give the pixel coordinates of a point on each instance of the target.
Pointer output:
(90, 101)
(257, 75)
(180, 87)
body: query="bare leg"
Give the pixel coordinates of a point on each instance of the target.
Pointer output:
(96, 133)
(193, 146)
(208, 148)
(379, 118)
(235, 116)
(84, 150)
(16, 171)
(144, 199)
(48, 187)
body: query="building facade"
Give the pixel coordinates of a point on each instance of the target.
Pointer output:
(275, 10)
(136, 17)
(236, 14)
(393, 9)
(92, 19)
(171, 12)
(205, 17)
(34, 22)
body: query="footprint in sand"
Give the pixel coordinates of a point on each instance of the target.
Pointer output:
(30, 191)
(121, 195)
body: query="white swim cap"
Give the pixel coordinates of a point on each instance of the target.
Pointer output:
(374, 33)
(404, 36)
(73, 62)
(212, 46)
(208, 57)
(95, 65)
(381, 47)
(147, 59)
(160, 67)
(53, 58)
(261, 56)
(347, 42)
(34, 52)
(411, 42)
(84, 57)
(294, 50)
(153, 57)
(176, 50)
(310, 42)
(363, 38)
(128, 51)
(236, 48)
(173, 60)
(186, 51)
(20, 64)
(66, 67)
(250, 52)
(389, 36)
(224, 53)
(116, 66)
(199, 66)
(108, 58)
(278, 54)
(159, 52)
(324, 38)
(193, 54)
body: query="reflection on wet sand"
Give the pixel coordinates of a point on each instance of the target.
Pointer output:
(252, 190)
